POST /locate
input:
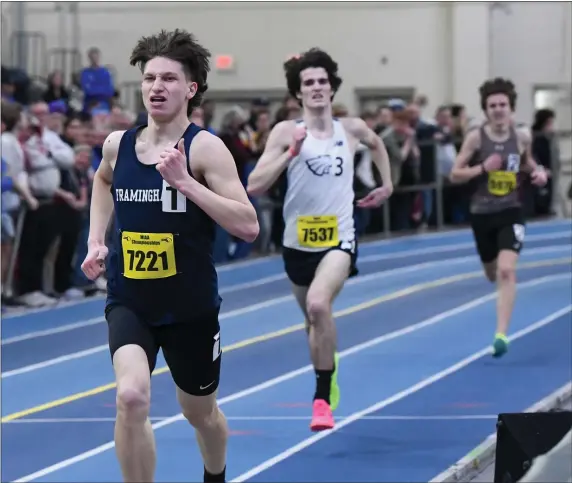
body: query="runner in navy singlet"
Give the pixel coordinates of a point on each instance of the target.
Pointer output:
(168, 182)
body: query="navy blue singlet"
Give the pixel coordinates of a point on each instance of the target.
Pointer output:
(160, 264)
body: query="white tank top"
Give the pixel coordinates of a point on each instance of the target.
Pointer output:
(318, 206)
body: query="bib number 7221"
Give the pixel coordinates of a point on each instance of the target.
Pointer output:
(141, 256)
(148, 255)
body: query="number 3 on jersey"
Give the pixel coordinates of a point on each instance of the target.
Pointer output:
(339, 166)
(173, 201)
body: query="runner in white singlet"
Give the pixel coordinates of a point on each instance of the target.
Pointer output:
(320, 247)
(320, 182)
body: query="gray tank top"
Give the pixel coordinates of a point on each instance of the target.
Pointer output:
(498, 190)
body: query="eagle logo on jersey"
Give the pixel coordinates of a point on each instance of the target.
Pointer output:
(322, 165)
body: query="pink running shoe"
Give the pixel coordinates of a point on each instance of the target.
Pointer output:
(322, 417)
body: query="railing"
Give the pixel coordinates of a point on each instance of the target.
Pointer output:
(28, 51)
(67, 61)
(435, 185)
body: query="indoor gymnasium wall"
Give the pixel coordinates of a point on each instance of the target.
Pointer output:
(442, 49)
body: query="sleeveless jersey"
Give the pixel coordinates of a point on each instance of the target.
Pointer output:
(498, 190)
(160, 264)
(318, 206)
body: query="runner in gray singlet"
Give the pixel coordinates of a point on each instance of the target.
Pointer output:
(492, 159)
(498, 191)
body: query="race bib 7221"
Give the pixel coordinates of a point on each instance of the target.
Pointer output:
(148, 255)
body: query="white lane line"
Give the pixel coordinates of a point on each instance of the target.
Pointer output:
(292, 374)
(278, 300)
(554, 223)
(269, 463)
(241, 311)
(452, 417)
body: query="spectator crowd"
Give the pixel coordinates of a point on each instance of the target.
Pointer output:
(52, 145)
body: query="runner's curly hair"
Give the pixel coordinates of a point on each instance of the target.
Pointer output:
(312, 58)
(180, 46)
(498, 85)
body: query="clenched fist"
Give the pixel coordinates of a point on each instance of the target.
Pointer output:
(173, 164)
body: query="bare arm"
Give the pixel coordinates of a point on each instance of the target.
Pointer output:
(273, 160)
(101, 197)
(461, 172)
(359, 129)
(225, 199)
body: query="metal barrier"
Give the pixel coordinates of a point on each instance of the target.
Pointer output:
(28, 52)
(67, 61)
(427, 155)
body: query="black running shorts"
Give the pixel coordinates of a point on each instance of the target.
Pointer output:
(301, 266)
(494, 232)
(191, 349)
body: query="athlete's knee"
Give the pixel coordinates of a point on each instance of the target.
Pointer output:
(318, 306)
(201, 414)
(133, 401)
(506, 273)
(133, 397)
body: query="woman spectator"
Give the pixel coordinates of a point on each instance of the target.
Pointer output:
(56, 90)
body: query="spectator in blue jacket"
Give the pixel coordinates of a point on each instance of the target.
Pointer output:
(96, 84)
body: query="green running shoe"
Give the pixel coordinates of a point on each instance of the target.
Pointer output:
(500, 345)
(334, 388)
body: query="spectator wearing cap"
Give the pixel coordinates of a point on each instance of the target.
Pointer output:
(55, 120)
(96, 84)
